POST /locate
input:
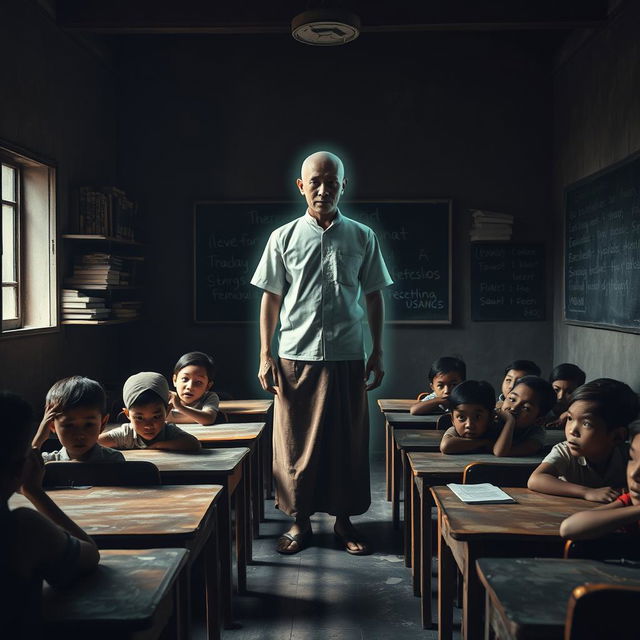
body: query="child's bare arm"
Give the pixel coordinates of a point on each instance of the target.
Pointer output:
(451, 444)
(186, 442)
(182, 414)
(44, 429)
(106, 440)
(504, 442)
(424, 407)
(545, 480)
(599, 521)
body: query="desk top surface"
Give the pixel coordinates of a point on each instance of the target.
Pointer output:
(395, 404)
(225, 432)
(533, 592)
(426, 463)
(123, 592)
(533, 514)
(215, 461)
(395, 418)
(132, 511)
(246, 407)
(428, 440)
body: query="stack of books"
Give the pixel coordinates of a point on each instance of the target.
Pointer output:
(78, 306)
(106, 211)
(126, 309)
(490, 226)
(98, 271)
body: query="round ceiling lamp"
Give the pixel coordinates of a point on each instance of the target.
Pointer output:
(325, 27)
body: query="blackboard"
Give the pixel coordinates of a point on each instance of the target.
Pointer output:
(602, 249)
(415, 237)
(507, 282)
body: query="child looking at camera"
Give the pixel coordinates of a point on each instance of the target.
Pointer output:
(611, 517)
(523, 412)
(193, 400)
(444, 375)
(592, 463)
(472, 408)
(565, 379)
(75, 410)
(37, 544)
(512, 372)
(146, 399)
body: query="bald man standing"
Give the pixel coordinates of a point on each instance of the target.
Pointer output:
(312, 272)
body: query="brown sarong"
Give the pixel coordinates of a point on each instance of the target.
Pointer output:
(321, 438)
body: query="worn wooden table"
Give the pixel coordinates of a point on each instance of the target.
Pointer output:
(526, 598)
(248, 434)
(422, 471)
(529, 527)
(132, 592)
(225, 467)
(256, 411)
(148, 517)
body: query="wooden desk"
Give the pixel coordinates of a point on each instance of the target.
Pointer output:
(235, 408)
(130, 592)
(526, 598)
(248, 434)
(395, 404)
(225, 467)
(530, 527)
(148, 517)
(422, 471)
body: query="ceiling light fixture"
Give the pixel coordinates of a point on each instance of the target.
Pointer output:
(325, 27)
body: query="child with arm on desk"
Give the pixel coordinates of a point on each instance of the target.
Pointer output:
(472, 414)
(611, 517)
(75, 410)
(146, 399)
(523, 412)
(512, 372)
(35, 544)
(592, 463)
(444, 375)
(193, 400)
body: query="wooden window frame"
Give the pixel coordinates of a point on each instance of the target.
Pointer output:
(14, 323)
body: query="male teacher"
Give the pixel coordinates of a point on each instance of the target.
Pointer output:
(312, 272)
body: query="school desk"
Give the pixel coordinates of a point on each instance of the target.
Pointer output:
(528, 527)
(401, 420)
(256, 411)
(395, 404)
(415, 440)
(225, 467)
(148, 517)
(248, 434)
(132, 594)
(425, 470)
(526, 598)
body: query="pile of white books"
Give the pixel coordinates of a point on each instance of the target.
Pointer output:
(97, 270)
(78, 306)
(490, 226)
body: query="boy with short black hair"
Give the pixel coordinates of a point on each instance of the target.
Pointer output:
(513, 372)
(146, 399)
(523, 412)
(565, 379)
(75, 410)
(445, 373)
(193, 400)
(592, 463)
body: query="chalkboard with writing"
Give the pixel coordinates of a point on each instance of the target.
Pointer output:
(507, 282)
(602, 248)
(415, 237)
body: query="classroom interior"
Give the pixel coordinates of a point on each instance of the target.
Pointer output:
(496, 106)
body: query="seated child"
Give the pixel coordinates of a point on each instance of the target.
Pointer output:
(193, 400)
(75, 409)
(513, 371)
(611, 517)
(146, 399)
(472, 409)
(592, 463)
(36, 544)
(565, 379)
(523, 412)
(444, 375)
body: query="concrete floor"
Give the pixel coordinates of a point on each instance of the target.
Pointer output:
(324, 593)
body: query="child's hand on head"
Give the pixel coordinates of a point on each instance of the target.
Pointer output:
(50, 414)
(33, 472)
(603, 494)
(503, 414)
(174, 401)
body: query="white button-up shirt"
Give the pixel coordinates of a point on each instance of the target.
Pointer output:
(321, 273)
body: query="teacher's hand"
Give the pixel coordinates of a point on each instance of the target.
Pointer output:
(374, 365)
(268, 374)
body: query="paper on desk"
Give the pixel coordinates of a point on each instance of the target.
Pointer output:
(484, 493)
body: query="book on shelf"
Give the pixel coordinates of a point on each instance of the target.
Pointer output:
(484, 493)
(69, 306)
(481, 214)
(85, 316)
(105, 211)
(73, 295)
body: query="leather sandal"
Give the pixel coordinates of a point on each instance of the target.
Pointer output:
(352, 536)
(286, 540)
